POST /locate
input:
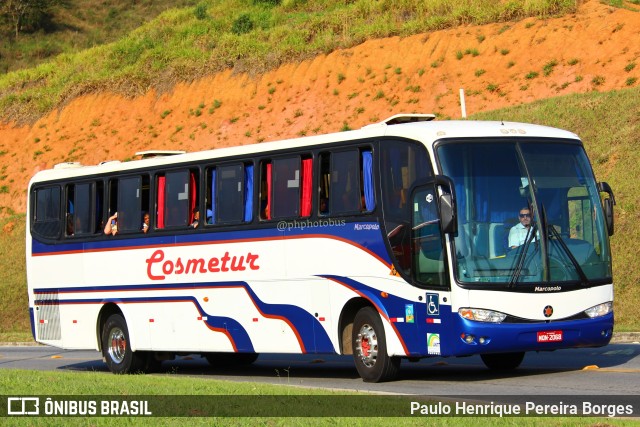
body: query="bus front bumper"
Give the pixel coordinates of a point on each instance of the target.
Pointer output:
(480, 337)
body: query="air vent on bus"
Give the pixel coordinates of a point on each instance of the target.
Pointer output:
(108, 162)
(158, 153)
(68, 165)
(403, 118)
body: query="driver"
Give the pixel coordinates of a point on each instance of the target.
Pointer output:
(520, 232)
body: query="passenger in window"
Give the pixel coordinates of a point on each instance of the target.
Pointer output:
(209, 216)
(112, 225)
(145, 222)
(324, 207)
(264, 210)
(196, 218)
(69, 225)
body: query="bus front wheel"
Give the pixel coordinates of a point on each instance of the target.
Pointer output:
(502, 361)
(116, 347)
(370, 348)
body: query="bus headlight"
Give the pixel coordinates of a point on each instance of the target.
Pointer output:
(481, 315)
(600, 310)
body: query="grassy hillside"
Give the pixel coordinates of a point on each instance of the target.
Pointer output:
(607, 123)
(70, 26)
(243, 35)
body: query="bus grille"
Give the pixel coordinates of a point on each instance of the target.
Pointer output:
(48, 316)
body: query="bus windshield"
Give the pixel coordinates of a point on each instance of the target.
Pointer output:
(529, 213)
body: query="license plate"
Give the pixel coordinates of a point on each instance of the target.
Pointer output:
(550, 336)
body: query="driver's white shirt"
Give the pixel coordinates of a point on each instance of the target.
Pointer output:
(518, 235)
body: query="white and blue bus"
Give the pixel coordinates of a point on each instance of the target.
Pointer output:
(390, 242)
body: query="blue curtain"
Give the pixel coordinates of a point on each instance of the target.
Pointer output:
(248, 193)
(367, 172)
(213, 196)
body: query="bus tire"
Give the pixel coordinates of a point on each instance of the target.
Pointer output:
(116, 348)
(503, 361)
(370, 348)
(230, 359)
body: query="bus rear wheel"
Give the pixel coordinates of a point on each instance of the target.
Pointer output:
(116, 348)
(370, 348)
(503, 361)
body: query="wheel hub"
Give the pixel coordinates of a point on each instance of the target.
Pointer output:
(118, 345)
(367, 345)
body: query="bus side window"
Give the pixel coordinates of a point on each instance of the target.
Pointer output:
(46, 219)
(286, 188)
(341, 186)
(229, 187)
(80, 209)
(230, 194)
(176, 198)
(129, 204)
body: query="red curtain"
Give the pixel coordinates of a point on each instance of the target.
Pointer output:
(192, 196)
(161, 189)
(305, 193)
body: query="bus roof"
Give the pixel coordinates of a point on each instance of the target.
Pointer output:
(420, 127)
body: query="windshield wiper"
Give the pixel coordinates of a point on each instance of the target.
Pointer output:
(522, 256)
(554, 233)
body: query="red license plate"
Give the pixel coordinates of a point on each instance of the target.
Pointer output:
(550, 336)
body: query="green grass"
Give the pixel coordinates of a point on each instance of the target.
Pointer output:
(76, 25)
(14, 307)
(246, 36)
(98, 386)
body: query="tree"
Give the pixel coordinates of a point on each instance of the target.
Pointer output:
(22, 11)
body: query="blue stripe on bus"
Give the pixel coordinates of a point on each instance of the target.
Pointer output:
(407, 333)
(307, 328)
(239, 335)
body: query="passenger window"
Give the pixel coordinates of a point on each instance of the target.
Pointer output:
(46, 221)
(177, 199)
(129, 197)
(346, 182)
(129, 204)
(230, 194)
(286, 188)
(401, 166)
(80, 209)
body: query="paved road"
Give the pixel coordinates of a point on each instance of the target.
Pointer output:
(611, 370)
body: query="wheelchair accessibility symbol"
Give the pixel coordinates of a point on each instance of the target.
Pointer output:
(433, 305)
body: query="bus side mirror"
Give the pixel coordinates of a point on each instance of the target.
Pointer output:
(608, 203)
(448, 218)
(448, 214)
(608, 214)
